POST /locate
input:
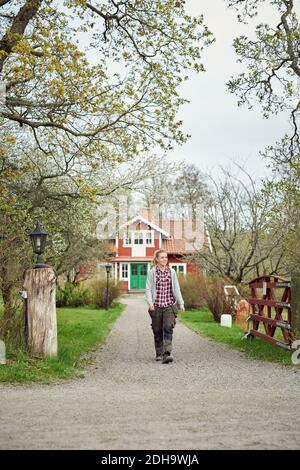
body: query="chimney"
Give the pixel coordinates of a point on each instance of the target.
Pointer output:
(146, 212)
(171, 228)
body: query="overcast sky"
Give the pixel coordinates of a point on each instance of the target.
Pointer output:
(220, 130)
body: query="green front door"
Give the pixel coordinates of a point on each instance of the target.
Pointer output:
(138, 275)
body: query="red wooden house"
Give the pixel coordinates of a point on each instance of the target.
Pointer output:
(132, 248)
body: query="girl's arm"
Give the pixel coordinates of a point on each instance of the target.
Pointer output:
(178, 292)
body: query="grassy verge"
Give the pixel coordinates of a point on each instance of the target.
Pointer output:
(201, 321)
(80, 331)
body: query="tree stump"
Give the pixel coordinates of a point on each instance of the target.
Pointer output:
(41, 311)
(296, 305)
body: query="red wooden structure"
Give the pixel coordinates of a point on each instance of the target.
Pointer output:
(271, 307)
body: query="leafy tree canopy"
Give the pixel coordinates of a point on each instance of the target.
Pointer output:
(123, 103)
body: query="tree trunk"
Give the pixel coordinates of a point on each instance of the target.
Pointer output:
(6, 295)
(41, 311)
(296, 305)
(7, 291)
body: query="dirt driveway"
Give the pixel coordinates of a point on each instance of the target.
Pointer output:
(211, 397)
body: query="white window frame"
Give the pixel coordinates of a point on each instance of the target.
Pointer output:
(177, 265)
(151, 236)
(131, 237)
(139, 237)
(121, 271)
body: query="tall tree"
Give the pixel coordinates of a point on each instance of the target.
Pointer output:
(241, 243)
(273, 78)
(66, 196)
(273, 63)
(191, 189)
(112, 110)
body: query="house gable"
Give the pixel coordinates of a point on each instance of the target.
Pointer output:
(140, 219)
(138, 238)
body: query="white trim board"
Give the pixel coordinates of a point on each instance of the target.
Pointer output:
(147, 222)
(179, 264)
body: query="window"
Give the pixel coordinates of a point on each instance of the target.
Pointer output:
(134, 269)
(138, 238)
(180, 268)
(127, 239)
(143, 270)
(148, 238)
(124, 273)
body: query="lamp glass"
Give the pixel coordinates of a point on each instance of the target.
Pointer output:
(38, 239)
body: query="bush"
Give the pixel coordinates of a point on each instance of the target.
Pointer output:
(192, 287)
(72, 295)
(215, 297)
(12, 323)
(98, 292)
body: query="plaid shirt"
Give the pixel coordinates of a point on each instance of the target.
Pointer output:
(164, 293)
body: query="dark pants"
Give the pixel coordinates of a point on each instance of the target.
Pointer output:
(163, 322)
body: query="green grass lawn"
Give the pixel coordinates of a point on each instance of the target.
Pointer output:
(202, 322)
(80, 331)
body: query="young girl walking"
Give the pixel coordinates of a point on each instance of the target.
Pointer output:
(163, 296)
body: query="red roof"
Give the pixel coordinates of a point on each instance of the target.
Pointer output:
(178, 246)
(132, 258)
(173, 246)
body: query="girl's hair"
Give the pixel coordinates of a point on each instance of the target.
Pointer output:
(156, 253)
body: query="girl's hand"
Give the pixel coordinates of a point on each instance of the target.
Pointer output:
(151, 307)
(182, 309)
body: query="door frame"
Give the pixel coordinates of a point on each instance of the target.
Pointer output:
(137, 262)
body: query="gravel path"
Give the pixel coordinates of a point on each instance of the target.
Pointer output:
(211, 397)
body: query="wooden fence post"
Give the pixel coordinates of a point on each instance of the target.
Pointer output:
(295, 285)
(41, 311)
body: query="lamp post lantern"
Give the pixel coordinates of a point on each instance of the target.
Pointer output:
(108, 267)
(39, 288)
(38, 239)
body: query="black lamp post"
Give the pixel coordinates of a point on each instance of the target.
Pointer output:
(38, 239)
(108, 267)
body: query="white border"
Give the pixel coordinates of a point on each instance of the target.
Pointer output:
(179, 264)
(129, 272)
(132, 232)
(147, 222)
(121, 269)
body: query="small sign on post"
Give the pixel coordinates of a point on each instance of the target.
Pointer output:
(23, 294)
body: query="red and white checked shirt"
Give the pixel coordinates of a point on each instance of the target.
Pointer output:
(164, 293)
